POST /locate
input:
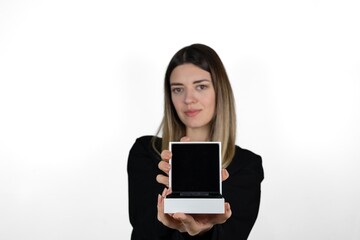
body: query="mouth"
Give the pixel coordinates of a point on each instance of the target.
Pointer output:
(192, 113)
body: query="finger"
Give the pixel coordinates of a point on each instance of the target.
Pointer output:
(189, 223)
(221, 218)
(224, 174)
(184, 218)
(179, 225)
(185, 139)
(160, 208)
(164, 218)
(228, 211)
(164, 166)
(166, 155)
(164, 192)
(159, 202)
(162, 179)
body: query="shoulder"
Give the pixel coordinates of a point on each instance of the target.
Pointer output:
(246, 154)
(246, 162)
(144, 140)
(144, 145)
(142, 154)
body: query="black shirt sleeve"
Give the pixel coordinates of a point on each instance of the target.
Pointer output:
(143, 191)
(242, 190)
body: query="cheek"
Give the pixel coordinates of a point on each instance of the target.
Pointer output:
(213, 108)
(176, 103)
(212, 103)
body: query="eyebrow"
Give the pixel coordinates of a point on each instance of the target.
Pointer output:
(195, 82)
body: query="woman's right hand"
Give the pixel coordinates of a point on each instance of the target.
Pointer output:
(164, 164)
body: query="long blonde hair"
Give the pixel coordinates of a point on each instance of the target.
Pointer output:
(223, 125)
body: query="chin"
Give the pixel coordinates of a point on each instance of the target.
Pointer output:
(193, 123)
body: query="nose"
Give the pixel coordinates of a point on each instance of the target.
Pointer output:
(190, 97)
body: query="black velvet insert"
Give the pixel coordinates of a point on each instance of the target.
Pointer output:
(195, 168)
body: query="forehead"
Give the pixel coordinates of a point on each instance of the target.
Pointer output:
(188, 73)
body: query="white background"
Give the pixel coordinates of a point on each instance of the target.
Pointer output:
(81, 80)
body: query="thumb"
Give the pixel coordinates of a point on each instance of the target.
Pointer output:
(224, 174)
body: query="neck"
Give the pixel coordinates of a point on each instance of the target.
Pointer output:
(198, 135)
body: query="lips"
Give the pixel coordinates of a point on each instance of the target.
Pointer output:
(192, 113)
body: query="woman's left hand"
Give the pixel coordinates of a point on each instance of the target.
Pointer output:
(193, 224)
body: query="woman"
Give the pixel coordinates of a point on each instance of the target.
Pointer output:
(199, 106)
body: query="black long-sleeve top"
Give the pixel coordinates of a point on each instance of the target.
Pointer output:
(241, 190)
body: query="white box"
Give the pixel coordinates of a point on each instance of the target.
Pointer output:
(195, 178)
(194, 205)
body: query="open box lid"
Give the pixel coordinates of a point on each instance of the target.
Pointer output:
(195, 169)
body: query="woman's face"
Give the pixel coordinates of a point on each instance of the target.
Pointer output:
(193, 96)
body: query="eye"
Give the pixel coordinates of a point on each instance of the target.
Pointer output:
(201, 87)
(176, 90)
